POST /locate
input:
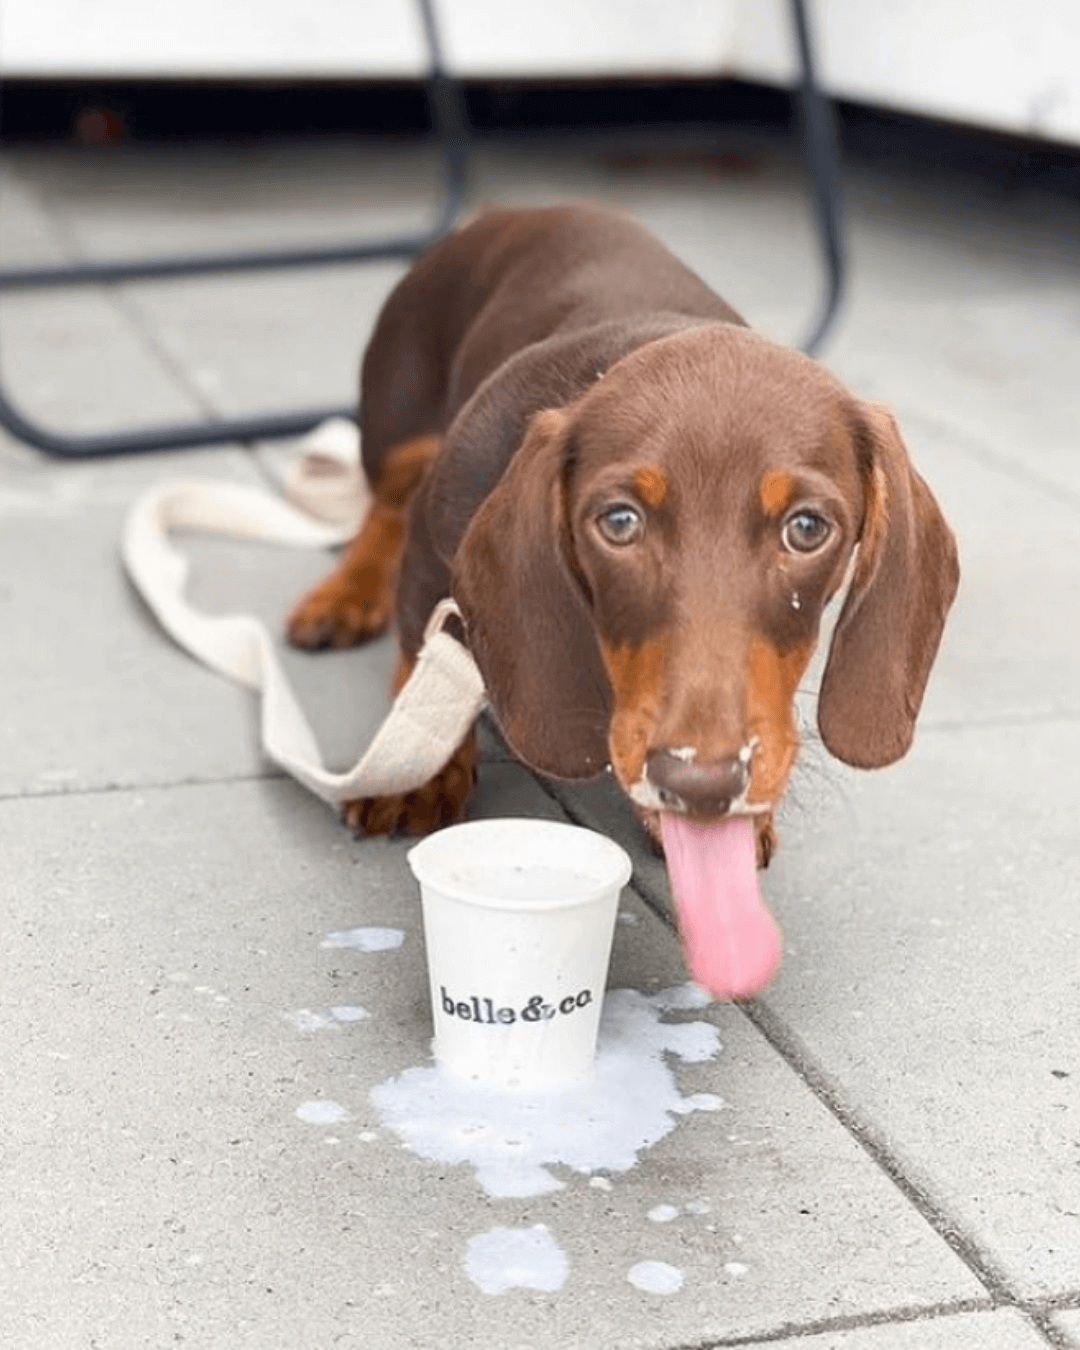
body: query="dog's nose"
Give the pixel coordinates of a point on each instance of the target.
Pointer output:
(697, 787)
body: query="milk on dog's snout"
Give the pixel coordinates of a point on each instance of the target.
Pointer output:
(518, 922)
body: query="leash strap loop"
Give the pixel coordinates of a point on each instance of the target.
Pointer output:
(431, 715)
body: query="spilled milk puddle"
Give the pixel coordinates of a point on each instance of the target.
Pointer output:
(513, 1140)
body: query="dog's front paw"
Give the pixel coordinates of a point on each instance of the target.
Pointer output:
(439, 802)
(341, 611)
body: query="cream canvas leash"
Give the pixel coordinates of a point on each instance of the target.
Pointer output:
(434, 710)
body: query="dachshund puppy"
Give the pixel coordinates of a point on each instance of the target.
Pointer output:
(642, 509)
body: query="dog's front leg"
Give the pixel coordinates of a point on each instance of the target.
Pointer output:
(355, 603)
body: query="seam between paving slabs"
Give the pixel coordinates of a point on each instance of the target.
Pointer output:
(930, 1315)
(1060, 1340)
(268, 775)
(1059, 1303)
(1042, 1316)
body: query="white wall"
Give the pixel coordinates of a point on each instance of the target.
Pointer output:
(274, 38)
(1012, 64)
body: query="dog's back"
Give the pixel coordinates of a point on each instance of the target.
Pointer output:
(509, 279)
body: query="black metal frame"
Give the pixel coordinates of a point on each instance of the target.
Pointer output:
(450, 123)
(823, 157)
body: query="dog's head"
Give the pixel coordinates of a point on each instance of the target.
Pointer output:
(644, 587)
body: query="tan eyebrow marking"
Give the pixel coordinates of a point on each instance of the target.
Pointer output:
(776, 491)
(650, 485)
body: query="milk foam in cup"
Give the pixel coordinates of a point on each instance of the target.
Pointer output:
(518, 922)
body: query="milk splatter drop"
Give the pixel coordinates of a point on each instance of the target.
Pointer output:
(705, 1101)
(663, 1213)
(365, 939)
(321, 1113)
(656, 1277)
(306, 1020)
(511, 1139)
(516, 1258)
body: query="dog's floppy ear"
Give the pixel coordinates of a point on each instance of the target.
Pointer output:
(905, 578)
(526, 616)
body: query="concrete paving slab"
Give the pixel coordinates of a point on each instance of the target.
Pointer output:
(95, 694)
(115, 201)
(995, 280)
(30, 235)
(1006, 654)
(175, 1007)
(268, 342)
(1067, 1324)
(74, 360)
(261, 341)
(75, 363)
(134, 708)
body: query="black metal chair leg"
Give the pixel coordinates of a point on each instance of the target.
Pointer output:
(823, 158)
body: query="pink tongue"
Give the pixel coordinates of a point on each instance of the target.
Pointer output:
(731, 941)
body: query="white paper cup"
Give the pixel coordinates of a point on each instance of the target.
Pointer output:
(518, 921)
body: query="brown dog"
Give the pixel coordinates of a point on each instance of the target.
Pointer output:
(641, 508)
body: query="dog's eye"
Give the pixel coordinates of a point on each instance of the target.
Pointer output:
(620, 525)
(805, 531)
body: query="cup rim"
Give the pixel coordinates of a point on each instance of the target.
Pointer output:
(421, 855)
